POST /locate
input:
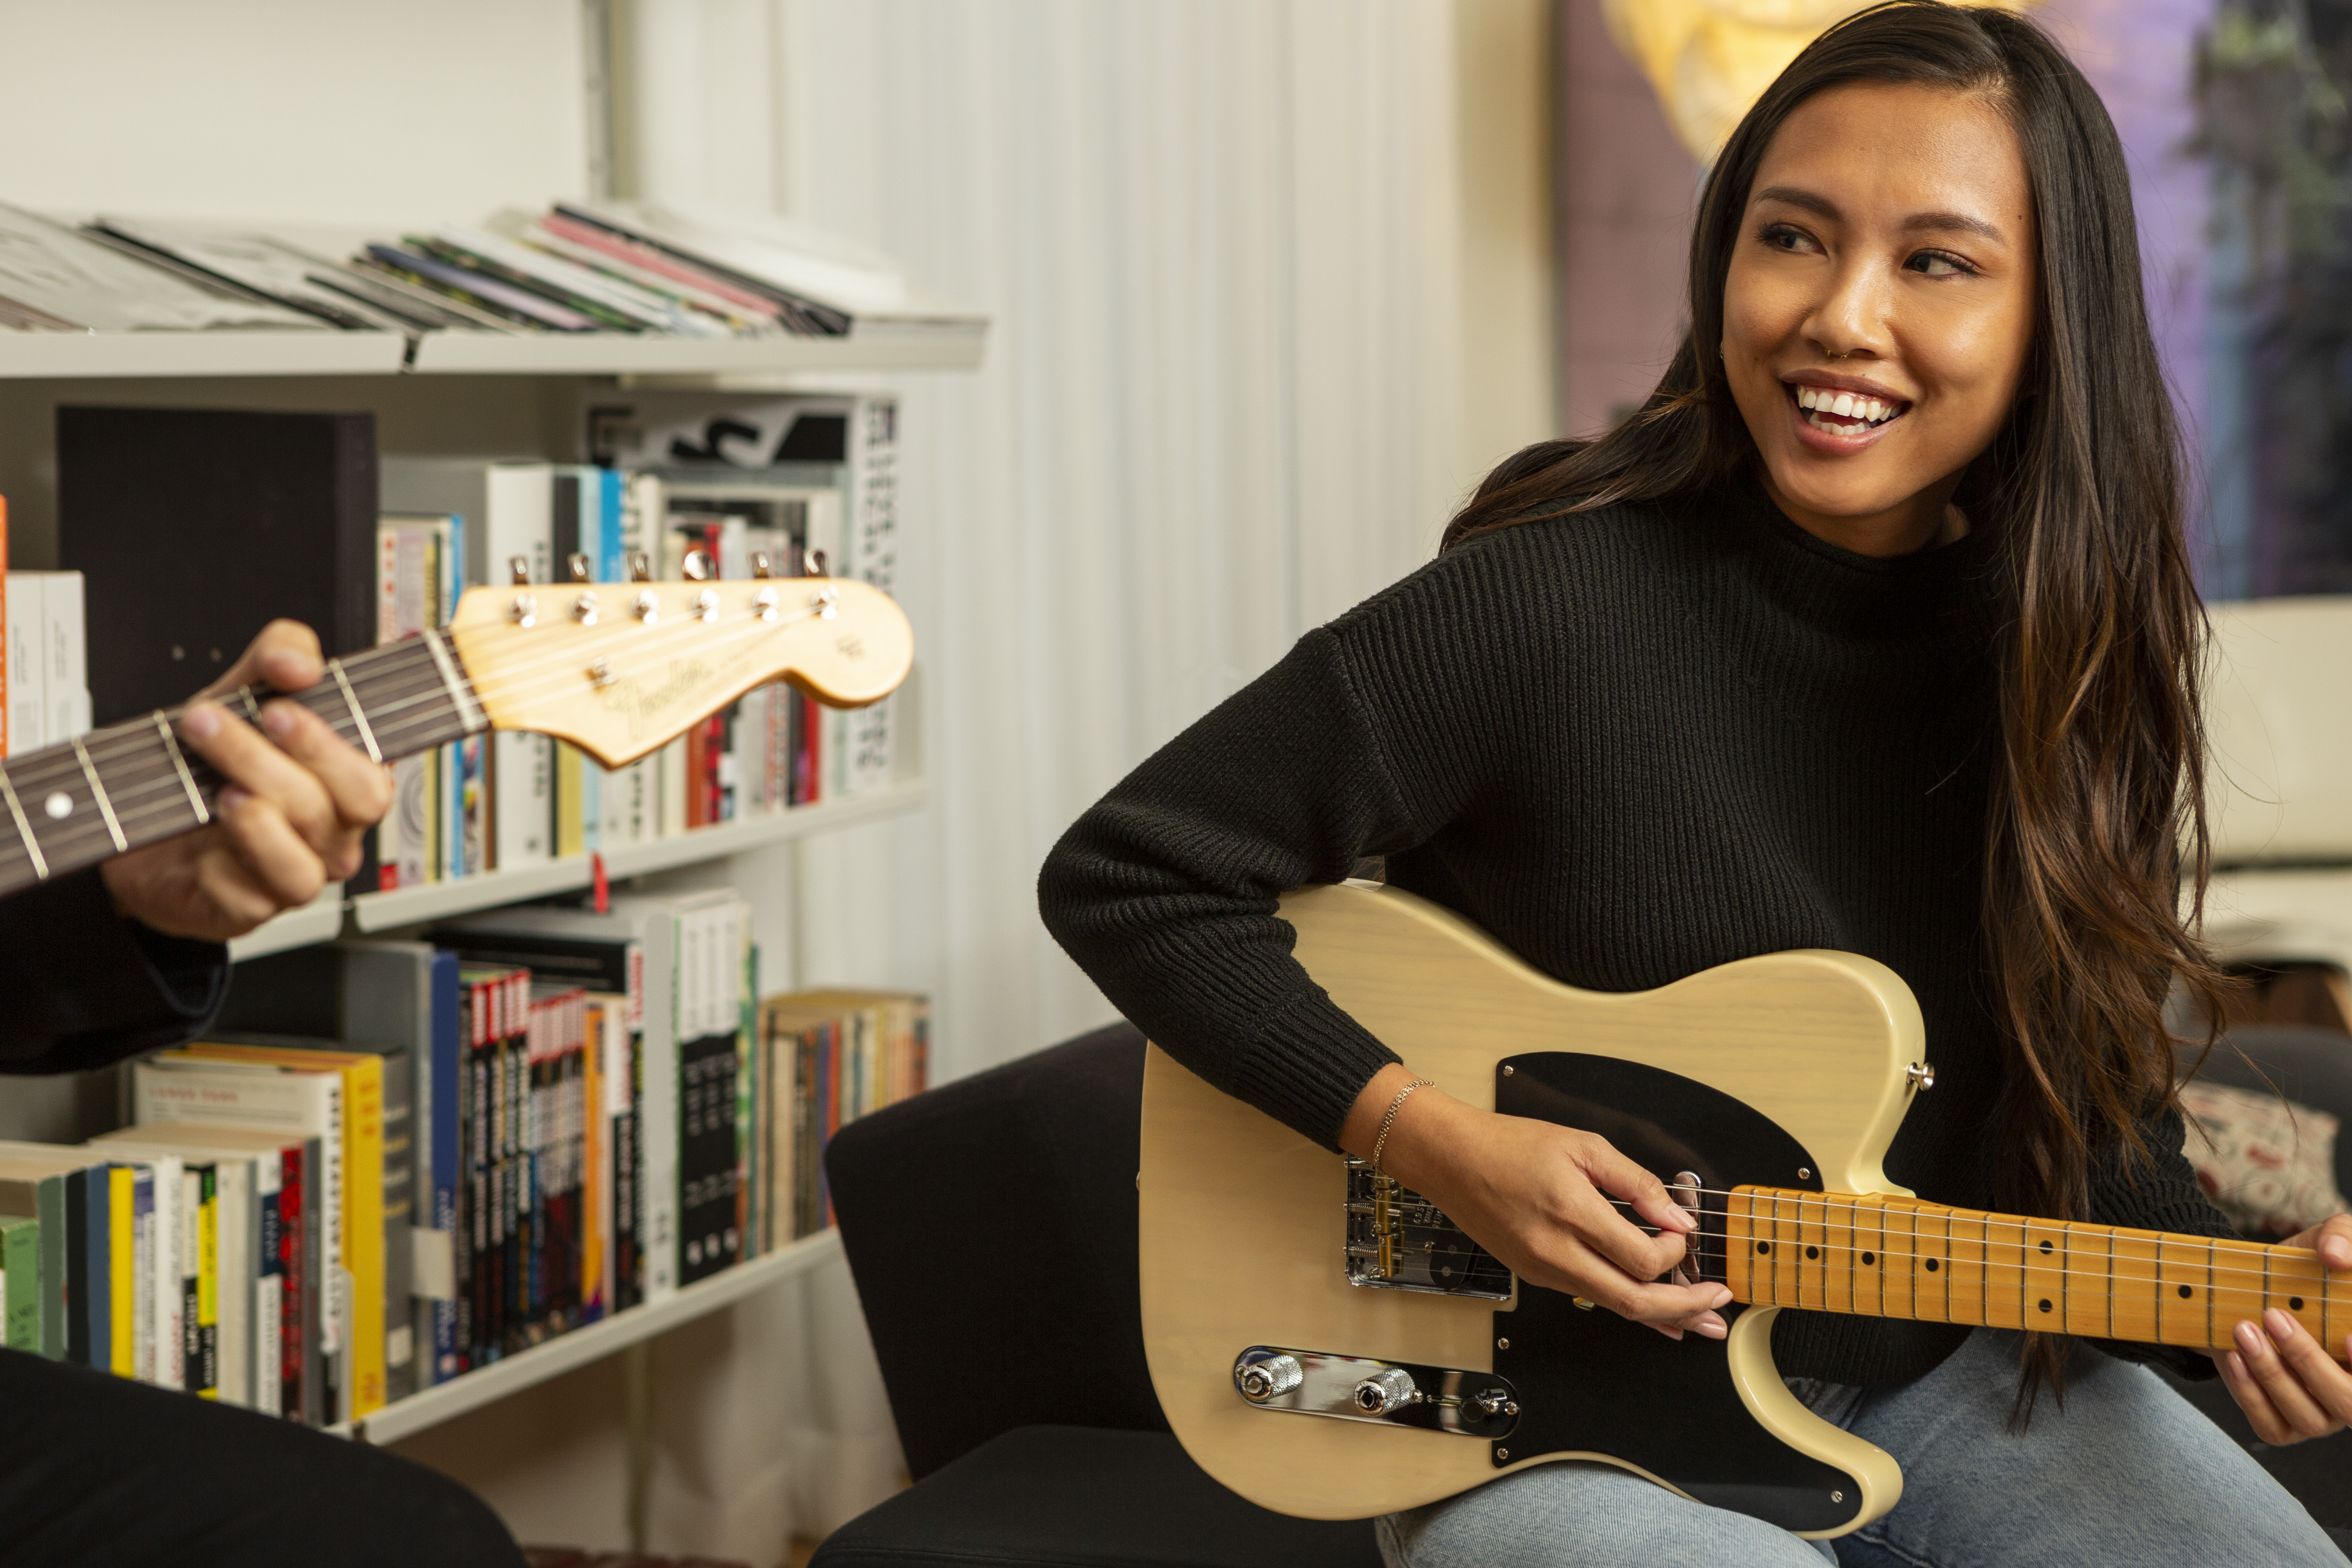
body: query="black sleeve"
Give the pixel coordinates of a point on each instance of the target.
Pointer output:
(85, 986)
(1165, 891)
(2161, 1192)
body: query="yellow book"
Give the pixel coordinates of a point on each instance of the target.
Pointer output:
(205, 1379)
(122, 1185)
(363, 1198)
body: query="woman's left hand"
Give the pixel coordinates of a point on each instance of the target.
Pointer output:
(2289, 1384)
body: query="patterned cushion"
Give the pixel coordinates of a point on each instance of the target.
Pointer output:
(2268, 1163)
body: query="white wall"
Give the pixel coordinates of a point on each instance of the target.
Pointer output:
(331, 112)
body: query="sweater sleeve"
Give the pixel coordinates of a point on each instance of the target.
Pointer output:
(2161, 1195)
(1165, 891)
(88, 987)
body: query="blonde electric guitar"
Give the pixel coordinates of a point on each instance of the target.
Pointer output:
(617, 668)
(1328, 1345)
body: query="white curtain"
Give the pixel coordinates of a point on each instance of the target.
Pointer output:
(1221, 244)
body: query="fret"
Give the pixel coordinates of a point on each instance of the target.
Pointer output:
(1934, 1238)
(461, 693)
(2183, 1296)
(1738, 1245)
(2043, 1283)
(1787, 1211)
(2242, 1286)
(1869, 1238)
(358, 719)
(2003, 1303)
(204, 814)
(1838, 1253)
(1898, 1230)
(2138, 1286)
(25, 829)
(97, 794)
(2087, 1256)
(1964, 1265)
(1812, 1261)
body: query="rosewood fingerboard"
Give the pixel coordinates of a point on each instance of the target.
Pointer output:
(131, 784)
(1898, 1257)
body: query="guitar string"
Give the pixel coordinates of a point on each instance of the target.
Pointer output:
(55, 766)
(2329, 1277)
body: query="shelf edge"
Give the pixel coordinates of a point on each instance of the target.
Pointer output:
(486, 1386)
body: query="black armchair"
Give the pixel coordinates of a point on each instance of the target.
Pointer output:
(990, 1228)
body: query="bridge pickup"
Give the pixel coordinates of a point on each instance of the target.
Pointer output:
(1398, 1241)
(1386, 1392)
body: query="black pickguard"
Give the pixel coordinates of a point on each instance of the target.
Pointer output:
(1589, 1380)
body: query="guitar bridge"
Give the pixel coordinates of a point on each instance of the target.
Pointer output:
(1398, 1241)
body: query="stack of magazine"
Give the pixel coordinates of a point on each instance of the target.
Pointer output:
(575, 267)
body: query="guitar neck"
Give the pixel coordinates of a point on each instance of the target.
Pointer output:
(133, 783)
(1898, 1257)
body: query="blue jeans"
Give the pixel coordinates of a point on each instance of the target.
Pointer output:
(2130, 1474)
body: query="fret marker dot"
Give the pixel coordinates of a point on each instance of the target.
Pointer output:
(2294, 1303)
(59, 806)
(2186, 1293)
(1933, 1266)
(1868, 1259)
(1763, 1247)
(2046, 1303)
(2045, 1247)
(1813, 1252)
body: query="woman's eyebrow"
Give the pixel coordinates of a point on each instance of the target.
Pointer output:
(1950, 223)
(1936, 223)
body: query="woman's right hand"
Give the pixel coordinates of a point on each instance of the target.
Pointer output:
(1538, 1196)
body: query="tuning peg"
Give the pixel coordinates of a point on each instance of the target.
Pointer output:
(640, 568)
(698, 567)
(813, 563)
(760, 564)
(579, 566)
(519, 570)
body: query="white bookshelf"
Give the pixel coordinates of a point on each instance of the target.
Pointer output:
(486, 1386)
(931, 343)
(323, 919)
(66, 355)
(879, 344)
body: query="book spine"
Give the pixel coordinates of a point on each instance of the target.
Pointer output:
(51, 1203)
(364, 1231)
(80, 1224)
(148, 1292)
(269, 1284)
(122, 1281)
(20, 1256)
(68, 655)
(173, 1276)
(204, 1304)
(29, 701)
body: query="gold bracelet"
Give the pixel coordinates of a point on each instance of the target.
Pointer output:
(1389, 1120)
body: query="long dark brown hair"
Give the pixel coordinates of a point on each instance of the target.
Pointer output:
(2097, 808)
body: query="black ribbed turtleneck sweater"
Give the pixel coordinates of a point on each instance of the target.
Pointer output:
(1632, 745)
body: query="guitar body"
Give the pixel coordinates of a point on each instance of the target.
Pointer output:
(1788, 1070)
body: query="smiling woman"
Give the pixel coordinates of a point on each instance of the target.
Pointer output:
(1873, 631)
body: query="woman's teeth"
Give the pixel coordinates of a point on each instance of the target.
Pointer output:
(1826, 404)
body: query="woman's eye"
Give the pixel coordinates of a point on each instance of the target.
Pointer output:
(1937, 263)
(1779, 236)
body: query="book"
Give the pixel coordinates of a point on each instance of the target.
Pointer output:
(506, 511)
(256, 266)
(412, 594)
(47, 655)
(364, 1073)
(60, 279)
(630, 952)
(20, 1257)
(241, 1316)
(285, 504)
(294, 1104)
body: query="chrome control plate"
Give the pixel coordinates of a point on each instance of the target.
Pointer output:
(1386, 1392)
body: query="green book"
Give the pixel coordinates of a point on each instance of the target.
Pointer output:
(20, 1256)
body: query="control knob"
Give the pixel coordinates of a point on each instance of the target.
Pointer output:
(1386, 1391)
(1260, 1381)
